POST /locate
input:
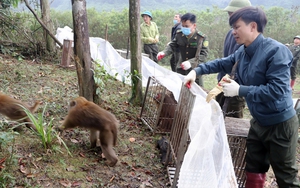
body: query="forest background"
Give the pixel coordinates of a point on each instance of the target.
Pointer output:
(109, 20)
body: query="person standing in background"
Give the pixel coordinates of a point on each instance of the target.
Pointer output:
(149, 35)
(295, 49)
(176, 54)
(193, 46)
(235, 105)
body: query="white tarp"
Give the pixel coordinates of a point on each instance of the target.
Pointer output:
(207, 162)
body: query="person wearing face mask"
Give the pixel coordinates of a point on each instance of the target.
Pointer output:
(192, 44)
(176, 55)
(149, 35)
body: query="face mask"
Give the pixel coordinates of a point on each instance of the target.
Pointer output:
(175, 21)
(186, 30)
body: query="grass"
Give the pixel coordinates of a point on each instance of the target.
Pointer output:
(54, 167)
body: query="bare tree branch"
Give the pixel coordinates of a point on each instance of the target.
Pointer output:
(42, 24)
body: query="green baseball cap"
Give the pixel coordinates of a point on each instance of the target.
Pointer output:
(234, 5)
(297, 37)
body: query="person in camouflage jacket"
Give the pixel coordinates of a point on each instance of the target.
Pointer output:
(187, 40)
(295, 49)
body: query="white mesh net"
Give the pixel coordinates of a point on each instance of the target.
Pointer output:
(207, 162)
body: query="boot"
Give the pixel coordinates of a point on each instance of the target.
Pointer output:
(255, 180)
(292, 84)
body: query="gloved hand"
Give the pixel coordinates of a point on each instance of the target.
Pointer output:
(230, 88)
(190, 78)
(185, 65)
(160, 55)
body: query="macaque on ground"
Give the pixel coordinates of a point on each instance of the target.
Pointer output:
(102, 124)
(11, 108)
(167, 112)
(162, 145)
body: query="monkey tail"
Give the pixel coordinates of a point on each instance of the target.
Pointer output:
(35, 106)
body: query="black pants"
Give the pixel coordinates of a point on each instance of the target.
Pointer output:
(173, 63)
(293, 72)
(175, 59)
(151, 50)
(235, 105)
(275, 145)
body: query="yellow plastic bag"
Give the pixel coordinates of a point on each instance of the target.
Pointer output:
(218, 89)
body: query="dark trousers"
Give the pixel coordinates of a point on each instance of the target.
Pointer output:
(175, 59)
(173, 63)
(235, 106)
(151, 50)
(198, 80)
(293, 70)
(275, 145)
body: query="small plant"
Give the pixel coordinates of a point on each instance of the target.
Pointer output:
(7, 140)
(101, 76)
(45, 131)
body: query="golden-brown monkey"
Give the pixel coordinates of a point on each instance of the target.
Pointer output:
(11, 108)
(103, 125)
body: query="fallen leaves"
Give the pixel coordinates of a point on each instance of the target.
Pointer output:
(131, 139)
(1, 163)
(25, 169)
(65, 183)
(82, 155)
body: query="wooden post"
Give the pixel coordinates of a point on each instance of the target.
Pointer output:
(66, 53)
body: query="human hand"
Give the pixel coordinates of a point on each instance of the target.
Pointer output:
(156, 39)
(160, 55)
(230, 88)
(152, 40)
(190, 78)
(185, 65)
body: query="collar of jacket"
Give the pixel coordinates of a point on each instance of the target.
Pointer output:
(251, 49)
(147, 24)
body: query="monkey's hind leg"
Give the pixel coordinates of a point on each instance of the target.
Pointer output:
(94, 138)
(107, 142)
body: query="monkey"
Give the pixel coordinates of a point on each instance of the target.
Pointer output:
(167, 112)
(162, 145)
(102, 124)
(12, 108)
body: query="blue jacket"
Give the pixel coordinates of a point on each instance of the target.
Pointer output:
(263, 72)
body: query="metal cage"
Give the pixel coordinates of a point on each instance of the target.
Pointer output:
(158, 109)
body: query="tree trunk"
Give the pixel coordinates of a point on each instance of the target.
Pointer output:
(135, 49)
(82, 52)
(45, 9)
(42, 24)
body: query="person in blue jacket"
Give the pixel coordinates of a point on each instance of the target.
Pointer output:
(263, 79)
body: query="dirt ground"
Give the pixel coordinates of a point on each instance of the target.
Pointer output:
(24, 162)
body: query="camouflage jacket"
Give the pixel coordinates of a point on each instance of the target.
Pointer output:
(188, 48)
(296, 53)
